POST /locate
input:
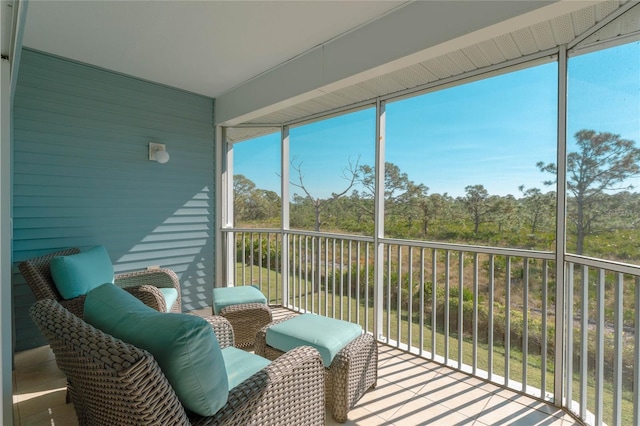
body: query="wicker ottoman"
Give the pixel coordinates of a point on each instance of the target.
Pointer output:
(246, 309)
(352, 371)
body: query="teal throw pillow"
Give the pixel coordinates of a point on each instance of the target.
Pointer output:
(185, 346)
(77, 274)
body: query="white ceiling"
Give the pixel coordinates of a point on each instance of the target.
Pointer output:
(274, 62)
(205, 47)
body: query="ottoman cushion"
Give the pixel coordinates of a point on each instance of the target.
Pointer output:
(227, 296)
(327, 335)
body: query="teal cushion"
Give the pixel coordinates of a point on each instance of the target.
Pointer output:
(184, 346)
(241, 365)
(327, 335)
(170, 295)
(227, 296)
(77, 274)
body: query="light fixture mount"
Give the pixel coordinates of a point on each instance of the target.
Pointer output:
(158, 152)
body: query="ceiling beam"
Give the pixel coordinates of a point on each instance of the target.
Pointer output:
(409, 35)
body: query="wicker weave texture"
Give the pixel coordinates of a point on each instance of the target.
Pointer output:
(145, 284)
(352, 372)
(142, 284)
(115, 383)
(247, 319)
(222, 328)
(37, 274)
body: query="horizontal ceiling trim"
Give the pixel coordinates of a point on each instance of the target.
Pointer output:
(497, 69)
(525, 62)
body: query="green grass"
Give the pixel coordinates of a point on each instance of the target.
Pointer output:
(342, 307)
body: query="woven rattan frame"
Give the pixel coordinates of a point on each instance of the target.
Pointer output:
(247, 319)
(115, 383)
(352, 372)
(142, 284)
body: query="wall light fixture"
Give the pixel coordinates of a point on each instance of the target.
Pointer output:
(158, 152)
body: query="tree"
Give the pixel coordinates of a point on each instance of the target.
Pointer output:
(349, 173)
(503, 210)
(251, 203)
(242, 192)
(536, 207)
(477, 203)
(603, 162)
(431, 207)
(402, 196)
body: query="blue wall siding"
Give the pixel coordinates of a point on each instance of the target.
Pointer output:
(82, 176)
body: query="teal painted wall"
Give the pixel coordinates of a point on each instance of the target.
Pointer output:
(82, 177)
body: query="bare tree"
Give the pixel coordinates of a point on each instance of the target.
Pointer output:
(349, 173)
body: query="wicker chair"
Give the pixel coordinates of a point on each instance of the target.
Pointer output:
(115, 383)
(142, 284)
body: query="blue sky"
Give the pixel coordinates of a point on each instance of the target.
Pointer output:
(490, 132)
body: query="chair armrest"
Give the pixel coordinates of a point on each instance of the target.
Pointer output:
(149, 295)
(289, 391)
(157, 277)
(223, 330)
(75, 305)
(161, 278)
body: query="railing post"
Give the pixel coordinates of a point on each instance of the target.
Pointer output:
(636, 351)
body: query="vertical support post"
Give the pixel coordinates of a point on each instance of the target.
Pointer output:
(284, 190)
(378, 275)
(6, 352)
(561, 240)
(225, 162)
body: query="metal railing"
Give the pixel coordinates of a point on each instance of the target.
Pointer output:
(602, 369)
(486, 311)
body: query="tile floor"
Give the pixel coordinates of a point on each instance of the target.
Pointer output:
(410, 391)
